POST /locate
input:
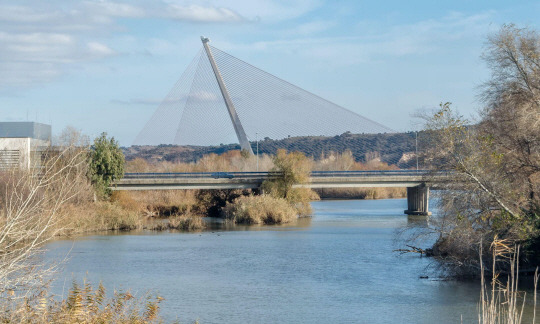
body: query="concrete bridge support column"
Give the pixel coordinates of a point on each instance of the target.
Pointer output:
(418, 201)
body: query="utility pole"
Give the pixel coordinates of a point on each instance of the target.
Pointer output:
(416, 145)
(242, 138)
(257, 139)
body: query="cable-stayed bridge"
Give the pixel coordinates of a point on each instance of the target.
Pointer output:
(222, 99)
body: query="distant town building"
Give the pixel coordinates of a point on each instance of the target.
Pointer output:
(22, 144)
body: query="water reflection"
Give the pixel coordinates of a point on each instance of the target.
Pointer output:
(418, 221)
(218, 224)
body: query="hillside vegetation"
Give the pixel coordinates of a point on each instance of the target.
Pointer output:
(394, 148)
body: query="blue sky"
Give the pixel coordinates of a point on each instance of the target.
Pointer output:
(106, 65)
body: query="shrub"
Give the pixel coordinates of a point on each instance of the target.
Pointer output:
(294, 168)
(262, 209)
(106, 163)
(186, 223)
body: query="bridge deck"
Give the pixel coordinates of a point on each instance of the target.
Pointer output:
(250, 180)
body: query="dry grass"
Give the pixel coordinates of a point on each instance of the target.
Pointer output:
(107, 216)
(231, 161)
(157, 202)
(262, 209)
(85, 305)
(345, 162)
(503, 302)
(98, 216)
(182, 223)
(362, 193)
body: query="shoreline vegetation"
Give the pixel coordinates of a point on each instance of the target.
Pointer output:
(92, 207)
(185, 209)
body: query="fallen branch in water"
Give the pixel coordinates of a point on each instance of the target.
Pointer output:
(414, 249)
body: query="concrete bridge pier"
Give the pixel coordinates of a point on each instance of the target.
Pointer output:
(418, 200)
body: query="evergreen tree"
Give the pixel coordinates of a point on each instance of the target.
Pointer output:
(106, 163)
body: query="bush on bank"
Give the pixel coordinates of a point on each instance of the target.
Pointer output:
(263, 209)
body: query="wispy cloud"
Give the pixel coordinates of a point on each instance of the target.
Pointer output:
(28, 58)
(202, 14)
(39, 41)
(199, 96)
(114, 9)
(368, 44)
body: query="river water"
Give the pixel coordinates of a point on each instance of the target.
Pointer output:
(337, 267)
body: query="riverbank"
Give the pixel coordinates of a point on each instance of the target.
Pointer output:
(185, 210)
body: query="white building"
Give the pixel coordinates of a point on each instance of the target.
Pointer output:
(22, 144)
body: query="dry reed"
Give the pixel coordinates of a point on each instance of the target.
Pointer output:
(262, 209)
(362, 193)
(85, 305)
(503, 302)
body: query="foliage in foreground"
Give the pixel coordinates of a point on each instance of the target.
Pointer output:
(84, 305)
(502, 302)
(32, 211)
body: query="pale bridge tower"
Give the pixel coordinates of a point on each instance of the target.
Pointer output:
(242, 138)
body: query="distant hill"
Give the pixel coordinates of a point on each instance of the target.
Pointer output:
(394, 148)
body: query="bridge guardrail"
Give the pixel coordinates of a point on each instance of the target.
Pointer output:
(172, 175)
(258, 175)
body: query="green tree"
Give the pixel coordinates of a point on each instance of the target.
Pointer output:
(106, 163)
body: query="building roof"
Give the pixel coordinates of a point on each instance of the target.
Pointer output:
(25, 130)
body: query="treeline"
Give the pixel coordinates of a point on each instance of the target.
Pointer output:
(391, 148)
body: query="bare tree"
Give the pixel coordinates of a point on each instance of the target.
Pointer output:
(496, 162)
(31, 204)
(511, 117)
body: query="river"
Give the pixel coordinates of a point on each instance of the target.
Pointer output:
(336, 267)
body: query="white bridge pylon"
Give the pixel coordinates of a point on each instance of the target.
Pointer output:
(220, 99)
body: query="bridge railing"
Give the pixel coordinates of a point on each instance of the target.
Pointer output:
(258, 175)
(167, 175)
(368, 173)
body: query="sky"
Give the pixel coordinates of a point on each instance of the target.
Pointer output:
(104, 66)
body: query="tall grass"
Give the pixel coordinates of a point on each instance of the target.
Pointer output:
(157, 202)
(182, 223)
(502, 302)
(345, 161)
(234, 161)
(362, 193)
(84, 304)
(263, 209)
(231, 161)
